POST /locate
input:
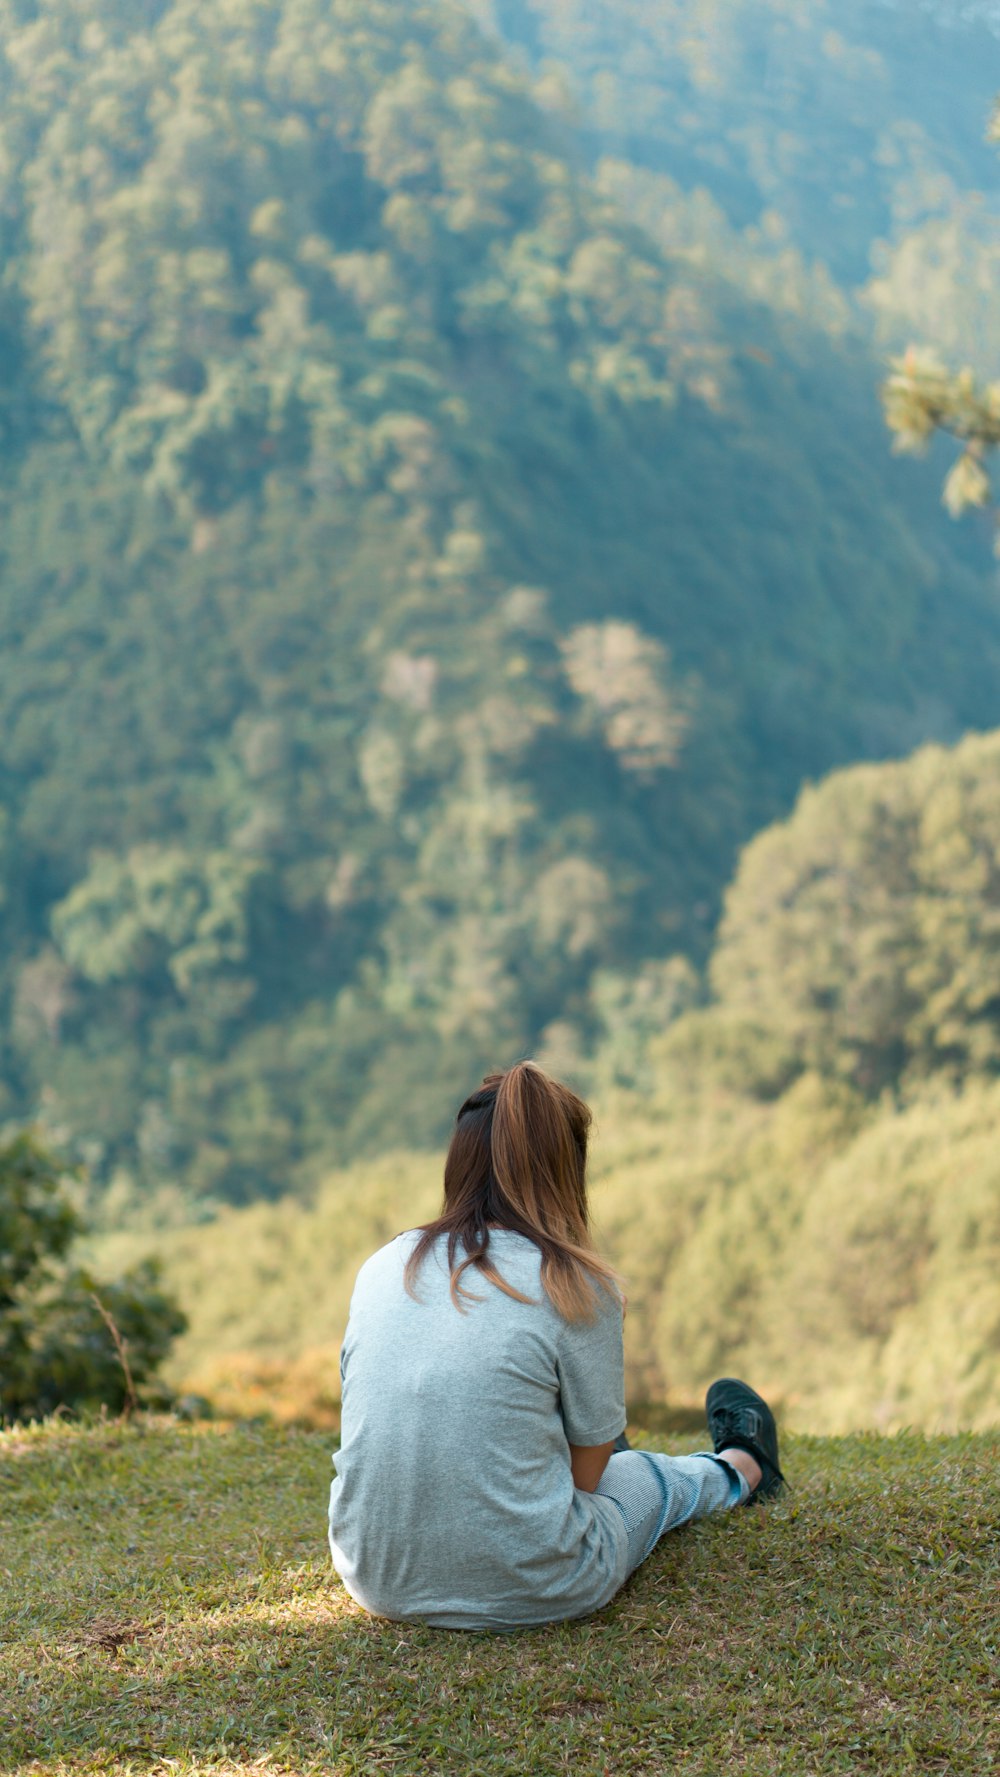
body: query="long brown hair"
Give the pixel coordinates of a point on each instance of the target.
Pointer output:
(518, 1160)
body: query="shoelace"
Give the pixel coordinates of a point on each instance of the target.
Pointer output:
(746, 1421)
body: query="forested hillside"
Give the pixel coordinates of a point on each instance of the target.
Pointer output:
(420, 569)
(801, 1184)
(830, 155)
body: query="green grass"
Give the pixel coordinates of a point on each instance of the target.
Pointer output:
(168, 1607)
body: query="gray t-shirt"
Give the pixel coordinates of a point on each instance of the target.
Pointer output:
(453, 1502)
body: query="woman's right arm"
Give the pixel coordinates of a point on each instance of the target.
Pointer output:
(591, 1375)
(588, 1463)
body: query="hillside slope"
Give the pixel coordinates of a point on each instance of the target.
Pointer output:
(415, 584)
(798, 1180)
(838, 124)
(848, 1261)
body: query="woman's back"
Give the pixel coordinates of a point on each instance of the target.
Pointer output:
(454, 1500)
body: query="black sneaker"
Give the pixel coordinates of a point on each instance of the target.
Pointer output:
(739, 1420)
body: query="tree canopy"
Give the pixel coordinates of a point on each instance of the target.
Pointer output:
(866, 929)
(422, 566)
(797, 1178)
(67, 1340)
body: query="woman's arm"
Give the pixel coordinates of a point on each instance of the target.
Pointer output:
(588, 1463)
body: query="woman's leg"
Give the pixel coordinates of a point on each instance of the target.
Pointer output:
(658, 1493)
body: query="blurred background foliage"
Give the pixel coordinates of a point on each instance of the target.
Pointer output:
(805, 1184)
(445, 514)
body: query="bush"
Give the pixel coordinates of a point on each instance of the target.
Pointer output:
(57, 1348)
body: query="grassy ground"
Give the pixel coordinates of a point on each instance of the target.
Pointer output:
(166, 1605)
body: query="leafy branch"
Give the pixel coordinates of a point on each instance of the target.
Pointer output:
(922, 397)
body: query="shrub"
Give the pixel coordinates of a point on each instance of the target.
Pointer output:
(57, 1348)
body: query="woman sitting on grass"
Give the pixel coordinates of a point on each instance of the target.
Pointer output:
(483, 1479)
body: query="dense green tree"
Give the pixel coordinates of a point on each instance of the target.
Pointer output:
(866, 929)
(67, 1339)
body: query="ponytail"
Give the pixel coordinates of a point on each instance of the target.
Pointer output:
(518, 1160)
